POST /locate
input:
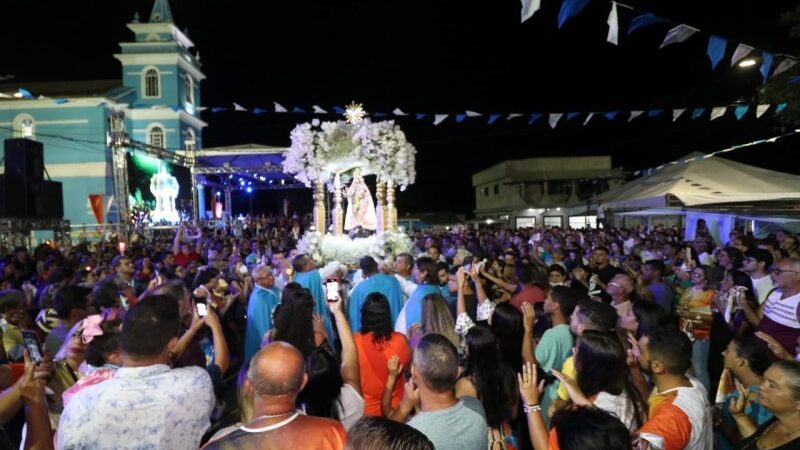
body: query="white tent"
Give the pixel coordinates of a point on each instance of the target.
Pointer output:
(703, 180)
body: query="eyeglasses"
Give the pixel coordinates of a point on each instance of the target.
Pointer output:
(697, 274)
(777, 271)
(615, 284)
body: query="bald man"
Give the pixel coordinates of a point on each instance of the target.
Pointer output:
(778, 316)
(276, 376)
(619, 289)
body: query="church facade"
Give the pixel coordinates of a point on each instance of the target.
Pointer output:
(157, 99)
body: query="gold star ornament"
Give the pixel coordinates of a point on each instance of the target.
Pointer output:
(354, 113)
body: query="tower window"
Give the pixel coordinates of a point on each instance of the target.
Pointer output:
(151, 83)
(24, 127)
(156, 137)
(189, 89)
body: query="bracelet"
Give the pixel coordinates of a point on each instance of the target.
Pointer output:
(531, 408)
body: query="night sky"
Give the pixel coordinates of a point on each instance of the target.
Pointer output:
(440, 57)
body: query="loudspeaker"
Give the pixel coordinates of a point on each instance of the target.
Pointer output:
(24, 190)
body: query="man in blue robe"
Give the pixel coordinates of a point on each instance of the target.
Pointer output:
(374, 281)
(425, 274)
(262, 302)
(308, 277)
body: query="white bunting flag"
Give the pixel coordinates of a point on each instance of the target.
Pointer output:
(761, 109)
(238, 107)
(318, 110)
(677, 113)
(201, 108)
(613, 25)
(399, 112)
(718, 112)
(554, 118)
(741, 51)
(678, 34)
(785, 65)
(635, 114)
(513, 115)
(279, 108)
(588, 118)
(472, 114)
(439, 118)
(529, 7)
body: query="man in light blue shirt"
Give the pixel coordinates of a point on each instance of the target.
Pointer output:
(262, 302)
(374, 281)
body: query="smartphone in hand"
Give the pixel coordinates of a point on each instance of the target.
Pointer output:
(33, 346)
(202, 309)
(332, 290)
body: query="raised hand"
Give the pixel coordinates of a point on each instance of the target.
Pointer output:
(528, 316)
(575, 393)
(775, 347)
(394, 366)
(529, 389)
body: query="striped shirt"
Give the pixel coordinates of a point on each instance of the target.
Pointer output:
(780, 319)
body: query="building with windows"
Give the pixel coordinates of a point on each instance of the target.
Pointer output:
(155, 101)
(554, 191)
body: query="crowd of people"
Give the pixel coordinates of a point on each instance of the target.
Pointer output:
(226, 336)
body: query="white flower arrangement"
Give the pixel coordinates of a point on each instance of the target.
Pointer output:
(326, 248)
(321, 149)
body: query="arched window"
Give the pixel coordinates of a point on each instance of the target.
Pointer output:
(152, 83)
(190, 143)
(155, 136)
(24, 127)
(189, 89)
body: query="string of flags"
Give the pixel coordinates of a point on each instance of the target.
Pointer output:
(771, 140)
(680, 32)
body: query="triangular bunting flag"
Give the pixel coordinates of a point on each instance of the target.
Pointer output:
(297, 109)
(493, 118)
(760, 110)
(61, 101)
(533, 118)
(572, 115)
(529, 7)
(740, 52)
(697, 112)
(611, 115)
(716, 50)
(338, 110)
(420, 116)
(279, 108)
(238, 107)
(380, 114)
(644, 20)
(677, 113)
(217, 109)
(24, 93)
(678, 34)
(740, 111)
(399, 112)
(258, 110)
(588, 118)
(718, 112)
(570, 8)
(635, 114)
(554, 118)
(472, 114)
(439, 118)
(784, 65)
(460, 117)
(766, 64)
(781, 106)
(513, 115)
(201, 108)
(318, 110)
(794, 80)
(613, 25)
(654, 112)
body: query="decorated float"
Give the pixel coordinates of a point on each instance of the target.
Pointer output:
(327, 156)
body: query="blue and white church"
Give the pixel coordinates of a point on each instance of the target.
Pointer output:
(156, 101)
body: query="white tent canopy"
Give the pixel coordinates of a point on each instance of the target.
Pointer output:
(703, 180)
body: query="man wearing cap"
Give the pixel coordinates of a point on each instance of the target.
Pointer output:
(757, 263)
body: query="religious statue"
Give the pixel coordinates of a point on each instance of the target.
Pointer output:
(360, 207)
(165, 189)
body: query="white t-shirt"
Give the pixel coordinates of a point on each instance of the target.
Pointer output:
(619, 406)
(350, 406)
(762, 286)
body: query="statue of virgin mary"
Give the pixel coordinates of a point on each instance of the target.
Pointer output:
(360, 207)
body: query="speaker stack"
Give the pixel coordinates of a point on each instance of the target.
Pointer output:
(25, 192)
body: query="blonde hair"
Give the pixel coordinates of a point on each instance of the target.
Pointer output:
(436, 318)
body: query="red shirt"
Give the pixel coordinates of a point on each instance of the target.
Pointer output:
(528, 294)
(183, 260)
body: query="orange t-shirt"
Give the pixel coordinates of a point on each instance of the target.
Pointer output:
(373, 359)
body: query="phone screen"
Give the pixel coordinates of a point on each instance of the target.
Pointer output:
(32, 345)
(202, 309)
(332, 291)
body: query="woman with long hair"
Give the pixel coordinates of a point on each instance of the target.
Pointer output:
(296, 323)
(488, 379)
(377, 342)
(643, 317)
(436, 318)
(736, 287)
(694, 309)
(604, 377)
